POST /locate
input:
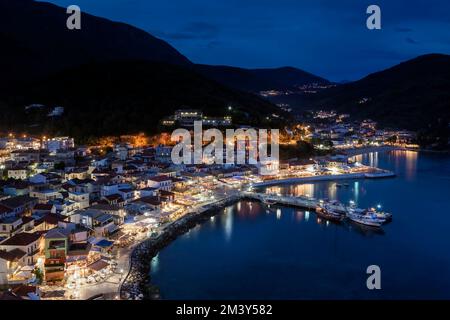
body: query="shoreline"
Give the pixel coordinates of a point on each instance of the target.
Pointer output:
(364, 150)
(137, 283)
(349, 176)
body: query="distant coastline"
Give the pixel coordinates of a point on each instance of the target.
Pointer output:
(385, 174)
(359, 151)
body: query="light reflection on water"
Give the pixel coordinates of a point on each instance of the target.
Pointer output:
(300, 255)
(228, 216)
(278, 214)
(306, 215)
(405, 161)
(155, 263)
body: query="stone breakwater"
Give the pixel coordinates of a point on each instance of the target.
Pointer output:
(137, 284)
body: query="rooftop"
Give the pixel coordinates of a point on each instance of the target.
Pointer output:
(18, 201)
(12, 255)
(160, 178)
(21, 239)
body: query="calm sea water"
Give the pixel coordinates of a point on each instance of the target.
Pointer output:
(285, 253)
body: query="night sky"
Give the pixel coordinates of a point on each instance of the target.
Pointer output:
(326, 37)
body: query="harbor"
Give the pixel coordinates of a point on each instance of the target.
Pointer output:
(379, 173)
(329, 210)
(137, 283)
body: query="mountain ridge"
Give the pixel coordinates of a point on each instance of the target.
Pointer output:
(260, 79)
(37, 43)
(412, 94)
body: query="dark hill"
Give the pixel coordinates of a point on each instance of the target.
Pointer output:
(255, 80)
(36, 42)
(413, 94)
(125, 97)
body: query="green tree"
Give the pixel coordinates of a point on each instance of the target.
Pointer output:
(59, 166)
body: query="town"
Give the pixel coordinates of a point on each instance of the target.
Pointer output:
(71, 215)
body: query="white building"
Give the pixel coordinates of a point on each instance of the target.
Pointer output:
(59, 143)
(162, 182)
(81, 199)
(18, 173)
(28, 243)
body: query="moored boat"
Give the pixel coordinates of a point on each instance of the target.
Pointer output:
(375, 212)
(364, 217)
(269, 202)
(381, 214)
(336, 206)
(325, 211)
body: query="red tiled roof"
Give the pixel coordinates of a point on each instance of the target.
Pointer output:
(4, 209)
(166, 193)
(43, 206)
(7, 295)
(160, 178)
(26, 219)
(150, 200)
(52, 218)
(21, 239)
(12, 255)
(23, 291)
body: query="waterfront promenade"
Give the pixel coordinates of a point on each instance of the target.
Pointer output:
(136, 268)
(358, 151)
(331, 177)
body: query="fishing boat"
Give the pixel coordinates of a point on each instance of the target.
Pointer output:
(365, 217)
(381, 214)
(323, 210)
(336, 206)
(269, 202)
(376, 212)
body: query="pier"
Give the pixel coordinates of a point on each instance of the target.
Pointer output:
(347, 176)
(299, 202)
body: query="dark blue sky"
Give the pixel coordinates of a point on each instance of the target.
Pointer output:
(325, 37)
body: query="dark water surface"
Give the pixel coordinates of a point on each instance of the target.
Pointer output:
(249, 252)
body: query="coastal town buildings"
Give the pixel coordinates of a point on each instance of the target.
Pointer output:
(66, 211)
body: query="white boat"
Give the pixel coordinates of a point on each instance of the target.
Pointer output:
(374, 212)
(381, 214)
(364, 217)
(269, 202)
(336, 206)
(325, 211)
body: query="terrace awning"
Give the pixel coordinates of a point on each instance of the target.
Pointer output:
(98, 265)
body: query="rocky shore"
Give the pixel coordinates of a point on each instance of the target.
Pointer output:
(137, 284)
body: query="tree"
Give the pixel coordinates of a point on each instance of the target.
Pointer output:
(59, 166)
(392, 139)
(39, 275)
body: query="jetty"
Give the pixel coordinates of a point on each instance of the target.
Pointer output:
(331, 177)
(299, 202)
